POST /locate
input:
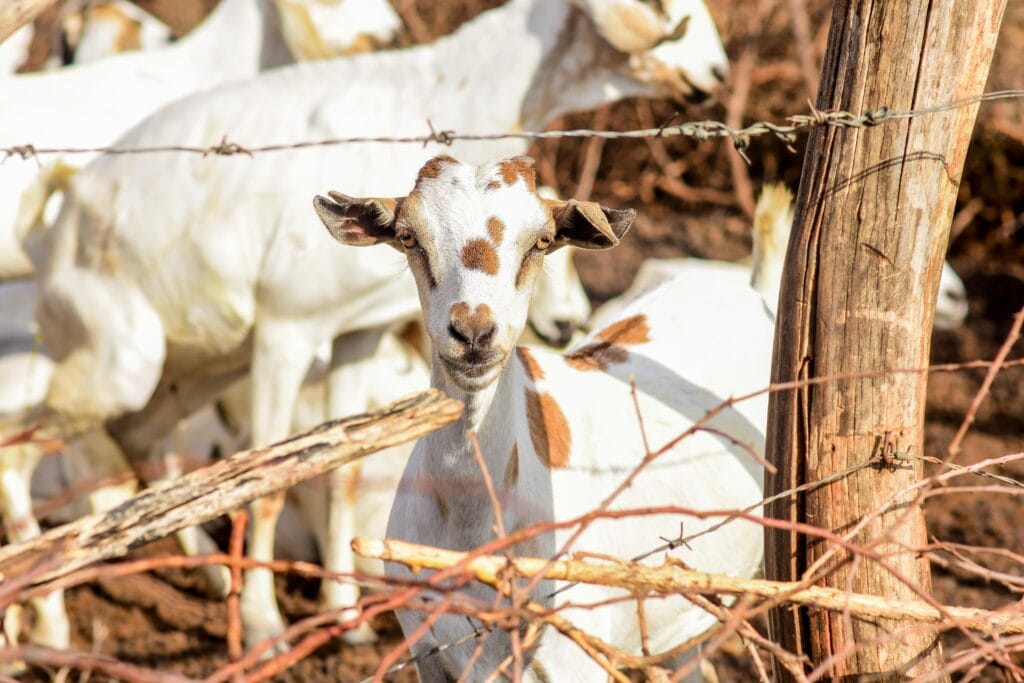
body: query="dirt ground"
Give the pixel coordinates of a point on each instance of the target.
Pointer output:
(689, 205)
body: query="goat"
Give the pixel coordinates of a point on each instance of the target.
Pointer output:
(773, 218)
(25, 375)
(210, 279)
(102, 110)
(105, 29)
(558, 433)
(240, 38)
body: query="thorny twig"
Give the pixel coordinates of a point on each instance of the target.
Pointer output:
(997, 363)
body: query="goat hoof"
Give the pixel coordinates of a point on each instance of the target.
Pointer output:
(363, 634)
(256, 635)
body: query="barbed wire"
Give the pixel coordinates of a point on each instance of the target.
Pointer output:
(699, 130)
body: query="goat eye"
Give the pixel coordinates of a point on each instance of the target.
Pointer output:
(543, 242)
(407, 239)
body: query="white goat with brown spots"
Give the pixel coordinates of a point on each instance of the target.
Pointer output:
(773, 218)
(559, 433)
(215, 260)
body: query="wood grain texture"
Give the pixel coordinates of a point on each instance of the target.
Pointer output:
(15, 13)
(211, 491)
(858, 295)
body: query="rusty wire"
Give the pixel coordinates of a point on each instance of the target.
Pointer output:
(698, 130)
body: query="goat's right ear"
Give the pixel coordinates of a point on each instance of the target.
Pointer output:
(588, 225)
(357, 222)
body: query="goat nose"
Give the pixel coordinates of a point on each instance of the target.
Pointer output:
(565, 329)
(698, 96)
(474, 329)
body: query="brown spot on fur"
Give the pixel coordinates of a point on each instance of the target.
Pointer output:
(634, 330)
(478, 254)
(415, 337)
(512, 468)
(600, 354)
(597, 356)
(496, 229)
(518, 167)
(530, 364)
(549, 430)
(432, 168)
(131, 37)
(493, 185)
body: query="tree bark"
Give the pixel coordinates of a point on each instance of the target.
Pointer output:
(211, 491)
(15, 13)
(858, 296)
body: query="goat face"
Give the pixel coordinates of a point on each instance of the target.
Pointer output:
(475, 239)
(672, 44)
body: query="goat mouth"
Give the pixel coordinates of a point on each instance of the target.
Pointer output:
(460, 370)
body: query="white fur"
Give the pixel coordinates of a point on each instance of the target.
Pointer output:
(235, 41)
(24, 377)
(560, 307)
(14, 49)
(702, 345)
(319, 29)
(951, 306)
(239, 253)
(773, 218)
(225, 252)
(26, 371)
(104, 29)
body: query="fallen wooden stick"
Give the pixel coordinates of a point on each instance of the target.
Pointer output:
(671, 578)
(211, 491)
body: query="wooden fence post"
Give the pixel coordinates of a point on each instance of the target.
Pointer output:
(858, 295)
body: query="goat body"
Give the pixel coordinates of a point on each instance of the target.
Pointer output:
(90, 105)
(559, 433)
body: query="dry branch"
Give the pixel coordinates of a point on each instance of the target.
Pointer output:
(15, 13)
(87, 662)
(671, 578)
(212, 491)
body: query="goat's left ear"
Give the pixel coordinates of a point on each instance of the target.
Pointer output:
(589, 225)
(357, 222)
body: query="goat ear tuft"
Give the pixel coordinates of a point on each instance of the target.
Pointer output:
(589, 225)
(357, 222)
